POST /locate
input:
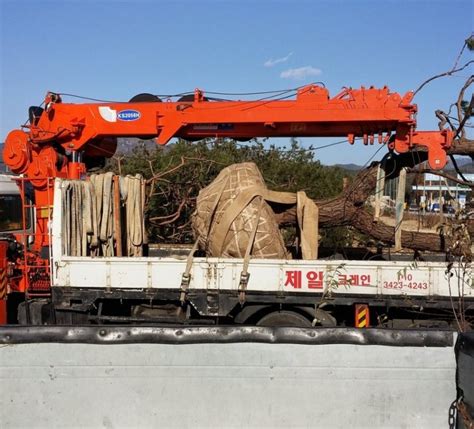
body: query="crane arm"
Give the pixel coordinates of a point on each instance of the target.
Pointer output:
(63, 132)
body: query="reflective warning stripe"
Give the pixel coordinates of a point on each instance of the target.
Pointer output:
(362, 319)
(362, 316)
(3, 283)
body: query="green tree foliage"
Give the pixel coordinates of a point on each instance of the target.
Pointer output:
(180, 170)
(470, 42)
(465, 108)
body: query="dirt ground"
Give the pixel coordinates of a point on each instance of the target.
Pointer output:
(415, 222)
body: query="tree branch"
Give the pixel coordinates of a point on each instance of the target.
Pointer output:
(348, 210)
(448, 73)
(442, 174)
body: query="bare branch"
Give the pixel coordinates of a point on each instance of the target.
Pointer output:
(442, 174)
(460, 53)
(159, 176)
(463, 117)
(448, 73)
(164, 173)
(166, 220)
(151, 168)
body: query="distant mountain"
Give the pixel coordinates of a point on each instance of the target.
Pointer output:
(127, 145)
(465, 165)
(350, 167)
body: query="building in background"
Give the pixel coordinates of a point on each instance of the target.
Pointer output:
(433, 193)
(3, 168)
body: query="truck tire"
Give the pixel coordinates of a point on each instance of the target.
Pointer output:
(284, 318)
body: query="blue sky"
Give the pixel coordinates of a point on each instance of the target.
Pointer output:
(116, 49)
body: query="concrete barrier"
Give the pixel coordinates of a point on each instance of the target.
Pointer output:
(225, 385)
(464, 411)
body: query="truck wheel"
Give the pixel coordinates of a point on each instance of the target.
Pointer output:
(324, 318)
(284, 318)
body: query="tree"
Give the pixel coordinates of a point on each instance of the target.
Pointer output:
(177, 172)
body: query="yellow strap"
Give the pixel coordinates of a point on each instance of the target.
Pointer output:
(186, 278)
(244, 275)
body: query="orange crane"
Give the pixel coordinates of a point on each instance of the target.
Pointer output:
(62, 138)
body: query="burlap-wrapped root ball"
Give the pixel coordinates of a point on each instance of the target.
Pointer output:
(227, 211)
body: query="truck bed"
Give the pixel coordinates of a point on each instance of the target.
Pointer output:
(429, 279)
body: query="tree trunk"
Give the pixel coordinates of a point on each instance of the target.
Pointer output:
(348, 210)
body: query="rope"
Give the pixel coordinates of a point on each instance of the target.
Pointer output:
(134, 215)
(106, 223)
(90, 214)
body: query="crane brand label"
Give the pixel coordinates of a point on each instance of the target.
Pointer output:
(128, 115)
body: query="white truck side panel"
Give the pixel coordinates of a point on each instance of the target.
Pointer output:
(386, 278)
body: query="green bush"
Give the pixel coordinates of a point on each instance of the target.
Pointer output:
(180, 170)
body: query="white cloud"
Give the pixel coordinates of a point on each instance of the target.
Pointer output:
(300, 73)
(271, 62)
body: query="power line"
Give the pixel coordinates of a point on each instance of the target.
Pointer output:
(82, 97)
(264, 92)
(310, 149)
(276, 95)
(180, 94)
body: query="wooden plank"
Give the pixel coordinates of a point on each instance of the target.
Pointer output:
(379, 188)
(400, 208)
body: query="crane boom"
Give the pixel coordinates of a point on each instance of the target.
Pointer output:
(91, 128)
